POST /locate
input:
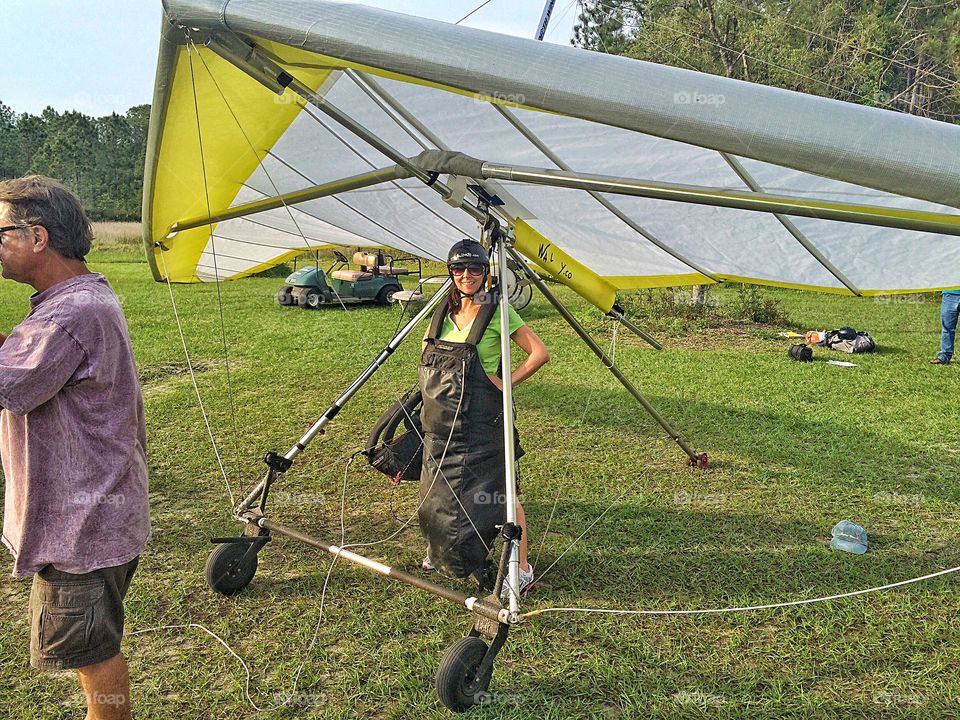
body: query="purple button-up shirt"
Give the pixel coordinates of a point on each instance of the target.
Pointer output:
(72, 433)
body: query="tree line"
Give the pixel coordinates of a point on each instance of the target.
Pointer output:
(101, 159)
(899, 54)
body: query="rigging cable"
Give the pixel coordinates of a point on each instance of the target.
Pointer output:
(213, 244)
(196, 388)
(480, 6)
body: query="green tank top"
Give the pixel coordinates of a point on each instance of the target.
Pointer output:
(488, 349)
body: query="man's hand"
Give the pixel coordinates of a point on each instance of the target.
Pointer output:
(2, 338)
(496, 381)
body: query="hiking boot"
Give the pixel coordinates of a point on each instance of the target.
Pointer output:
(526, 577)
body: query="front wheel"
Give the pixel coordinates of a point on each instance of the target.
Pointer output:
(285, 296)
(458, 684)
(230, 568)
(312, 299)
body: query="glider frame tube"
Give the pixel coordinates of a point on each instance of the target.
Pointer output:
(472, 603)
(509, 451)
(821, 209)
(696, 459)
(617, 314)
(335, 187)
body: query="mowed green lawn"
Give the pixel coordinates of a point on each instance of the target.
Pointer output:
(794, 448)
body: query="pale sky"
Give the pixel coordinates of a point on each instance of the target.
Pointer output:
(99, 56)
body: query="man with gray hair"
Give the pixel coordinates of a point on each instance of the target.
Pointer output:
(73, 443)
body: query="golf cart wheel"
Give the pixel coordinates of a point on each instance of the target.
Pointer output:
(457, 683)
(312, 299)
(229, 568)
(285, 296)
(385, 295)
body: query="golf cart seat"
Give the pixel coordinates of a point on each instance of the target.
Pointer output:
(374, 262)
(351, 275)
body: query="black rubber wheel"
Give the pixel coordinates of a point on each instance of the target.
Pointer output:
(385, 294)
(229, 569)
(285, 296)
(457, 682)
(312, 299)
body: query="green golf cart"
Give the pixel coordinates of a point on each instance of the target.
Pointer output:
(376, 281)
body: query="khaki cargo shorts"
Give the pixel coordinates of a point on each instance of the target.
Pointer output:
(77, 620)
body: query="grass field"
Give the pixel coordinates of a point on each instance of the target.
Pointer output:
(794, 448)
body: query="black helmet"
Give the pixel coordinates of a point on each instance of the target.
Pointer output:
(466, 251)
(847, 333)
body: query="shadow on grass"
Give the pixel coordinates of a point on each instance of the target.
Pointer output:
(825, 451)
(669, 558)
(638, 556)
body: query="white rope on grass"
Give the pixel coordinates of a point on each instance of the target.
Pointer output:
(246, 668)
(714, 611)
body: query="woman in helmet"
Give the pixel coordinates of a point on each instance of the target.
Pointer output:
(463, 478)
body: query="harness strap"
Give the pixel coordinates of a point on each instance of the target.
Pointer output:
(483, 319)
(436, 324)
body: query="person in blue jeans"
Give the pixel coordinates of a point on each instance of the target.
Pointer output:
(949, 311)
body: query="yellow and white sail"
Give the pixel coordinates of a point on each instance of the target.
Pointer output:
(264, 99)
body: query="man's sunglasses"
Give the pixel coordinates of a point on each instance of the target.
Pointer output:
(472, 268)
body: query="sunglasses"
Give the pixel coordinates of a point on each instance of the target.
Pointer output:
(471, 268)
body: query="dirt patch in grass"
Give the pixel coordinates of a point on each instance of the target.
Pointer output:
(732, 333)
(152, 374)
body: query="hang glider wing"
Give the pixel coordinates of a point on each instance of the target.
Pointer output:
(280, 127)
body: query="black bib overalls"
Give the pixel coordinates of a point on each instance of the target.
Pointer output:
(462, 482)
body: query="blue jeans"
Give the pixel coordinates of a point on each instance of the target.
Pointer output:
(949, 310)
